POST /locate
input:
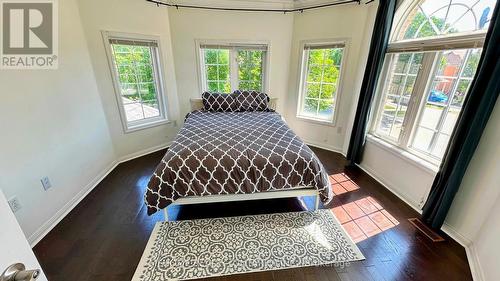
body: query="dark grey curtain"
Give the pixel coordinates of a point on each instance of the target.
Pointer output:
(470, 125)
(378, 47)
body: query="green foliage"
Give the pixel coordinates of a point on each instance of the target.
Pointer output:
(218, 71)
(322, 79)
(404, 63)
(426, 30)
(472, 64)
(250, 70)
(134, 66)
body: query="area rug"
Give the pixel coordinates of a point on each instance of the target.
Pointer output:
(182, 250)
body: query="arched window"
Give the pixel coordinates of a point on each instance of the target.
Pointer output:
(438, 18)
(432, 57)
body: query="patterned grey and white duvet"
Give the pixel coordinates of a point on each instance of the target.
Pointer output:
(217, 153)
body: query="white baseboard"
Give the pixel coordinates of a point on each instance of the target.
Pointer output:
(46, 227)
(143, 152)
(474, 264)
(455, 235)
(324, 146)
(470, 250)
(387, 184)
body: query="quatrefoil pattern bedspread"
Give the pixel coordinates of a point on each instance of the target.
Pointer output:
(217, 153)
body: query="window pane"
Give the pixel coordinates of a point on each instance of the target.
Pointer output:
(133, 111)
(325, 110)
(423, 139)
(150, 108)
(441, 144)
(223, 72)
(443, 17)
(314, 74)
(211, 56)
(217, 70)
(472, 63)
(135, 71)
(385, 124)
(450, 120)
(334, 56)
(213, 87)
(224, 87)
(402, 63)
(310, 107)
(331, 74)
(250, 69)
(402, 72)
(328, 91)
(443, 103)
(313, 90)
(316, 57)
(212, 73)
(462, 89)
(321, 80)
(431, 115)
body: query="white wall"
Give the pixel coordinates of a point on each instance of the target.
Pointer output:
(190, 25)
(339, 22)
(409, 180)
(363, 58)
(475, 213)
(130, 16)
(52, 124)
(480, 187)
(487, 245)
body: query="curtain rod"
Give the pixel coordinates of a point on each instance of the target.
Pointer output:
(177, 6)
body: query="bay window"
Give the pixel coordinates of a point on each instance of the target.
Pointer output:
(431, 60)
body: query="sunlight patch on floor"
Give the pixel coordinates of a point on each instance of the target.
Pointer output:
(342, 184)
(362, 218)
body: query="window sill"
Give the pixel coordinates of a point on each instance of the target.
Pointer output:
(323, 122)
(142, 126)
(403, 154)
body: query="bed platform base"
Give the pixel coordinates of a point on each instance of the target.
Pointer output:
(304, 192)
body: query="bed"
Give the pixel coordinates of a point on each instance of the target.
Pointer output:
(235, 156)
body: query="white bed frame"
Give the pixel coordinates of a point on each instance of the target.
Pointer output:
(197, 103)
(297, 192)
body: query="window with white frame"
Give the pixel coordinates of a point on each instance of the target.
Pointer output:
(321, 71)
(229, 67)
(137, 76)
(432, 57)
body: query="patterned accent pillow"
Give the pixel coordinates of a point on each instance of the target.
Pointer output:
(252, 100)
(236, 101)
(220, 102)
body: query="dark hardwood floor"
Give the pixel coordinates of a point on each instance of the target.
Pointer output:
(104, 236)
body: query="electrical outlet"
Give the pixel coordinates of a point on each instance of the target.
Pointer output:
(14, 204)
(46, 183)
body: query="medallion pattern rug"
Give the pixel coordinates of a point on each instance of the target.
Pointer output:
(182, 250)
